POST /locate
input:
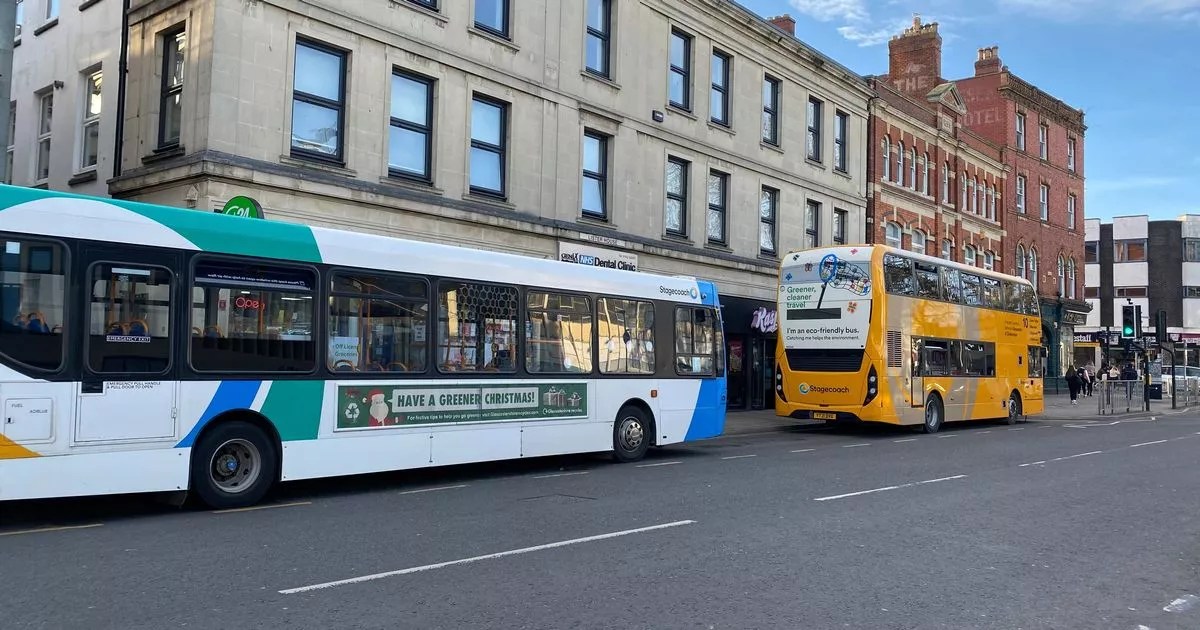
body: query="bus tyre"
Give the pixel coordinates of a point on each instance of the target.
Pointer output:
(934, 414)
(630, 434)
(233, 466)
(1014, 408)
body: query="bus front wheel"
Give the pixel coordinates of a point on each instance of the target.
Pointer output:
(233, 465)
(1014, 408)
(934, 414)
(630, 434)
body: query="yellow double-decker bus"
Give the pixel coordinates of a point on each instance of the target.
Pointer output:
(880, 334)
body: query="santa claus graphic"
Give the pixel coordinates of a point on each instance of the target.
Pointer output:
(379, 408)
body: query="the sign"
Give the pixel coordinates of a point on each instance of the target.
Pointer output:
(596, 257)
(242, 206)
(825, 302)
(380, 406)
(248, 303)
(765, 320)
(1156, 372)
(344, 349)
(607, 241)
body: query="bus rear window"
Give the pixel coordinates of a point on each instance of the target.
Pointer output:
(32, 301)
(695, 341)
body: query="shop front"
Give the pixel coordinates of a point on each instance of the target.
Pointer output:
(750, 333)
(1060, 317)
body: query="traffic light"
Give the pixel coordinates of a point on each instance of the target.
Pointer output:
(1128, 321)
(1160, 326)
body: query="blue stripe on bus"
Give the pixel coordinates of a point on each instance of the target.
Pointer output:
(708, 419)
(229, 395)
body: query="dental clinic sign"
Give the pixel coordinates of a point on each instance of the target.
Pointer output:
(596, 257)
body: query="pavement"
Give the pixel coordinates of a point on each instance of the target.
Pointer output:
(778, 524)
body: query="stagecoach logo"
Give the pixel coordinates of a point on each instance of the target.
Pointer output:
(803, 388)
(692, 293)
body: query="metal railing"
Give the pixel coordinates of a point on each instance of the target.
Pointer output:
(1114, 397)
(1188, 393)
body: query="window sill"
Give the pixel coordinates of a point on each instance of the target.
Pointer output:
(677, 238)
(87, 4)
(675, 109)
(45, 27)
(491, 200)
(720, 247)
(770, 257)
(599, 78)
(163, 153)
(41, 185)
(317, 166)
(816, 163)
(716, 126)
(420, 9)
(839, 172)
(82, 178)
(600, 222)
(411, 184)
(494, 38)
(773, 147)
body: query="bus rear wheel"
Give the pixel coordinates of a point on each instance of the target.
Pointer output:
(1014, 408)
(630, 434)
(934, 414)
(233, 466)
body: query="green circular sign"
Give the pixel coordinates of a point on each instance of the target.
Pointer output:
(242, 206)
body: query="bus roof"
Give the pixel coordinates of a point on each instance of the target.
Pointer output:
(867, 251)
(64, 215)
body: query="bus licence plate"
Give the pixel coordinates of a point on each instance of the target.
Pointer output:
(821, 415)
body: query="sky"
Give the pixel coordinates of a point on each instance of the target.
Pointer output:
(1130, 65)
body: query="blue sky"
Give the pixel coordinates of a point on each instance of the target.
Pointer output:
(1130, 65)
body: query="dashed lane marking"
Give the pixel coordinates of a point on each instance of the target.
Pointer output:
(856, 445)
(564, 474)
(255, 508)
(804, 450)
(654, 465)
(1148, 443)
(904, 440)
(434, 489)
(43, 530)
(887, 488)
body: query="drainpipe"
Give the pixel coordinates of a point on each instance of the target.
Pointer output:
(8, 31)
(122, 71)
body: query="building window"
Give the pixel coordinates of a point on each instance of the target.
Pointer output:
(20, 14)
(318, 101)
(12, 132)
(718, 201)
(1133, 250)
(768, 209)
(680, 84)
(891, 235)
(946, 183)
(992, 202)
(1091, 252)
(489, 139)
(1191, 292)
(925, 174)
(595, 175)
(841, 126)
(1020, 258)
(1043, 140)
(962, 207)
(918, 241)
(814, 129)
(1032, 264)
(492, 16)
(410, 139)
(839, 226)
(968, 255)
(51, 9)
(886, 151)
(912, 168)
(989, 261)
(1071, 211)
(432, 5)
(900, 163)
(1130, 292)
(1191, 246)
(718, 101)
(770, 114)
(1071, 278)
(45, 116)
(677, 189)
(1071, 154)
(1021, 194)
(812, 224)
(1062, 276)
(89, 149)
(170, 110)
(974, 199)
(1091, 292)
(1044, 201)
(1021, 131)
(599, 16)
(947, 249)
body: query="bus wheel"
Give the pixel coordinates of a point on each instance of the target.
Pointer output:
(1014, 407)
(934, 414)
(630, 439)
(233, 465)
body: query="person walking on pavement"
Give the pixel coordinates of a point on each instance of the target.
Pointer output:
(1129, 373)
(1085, 376)
(1073, 383)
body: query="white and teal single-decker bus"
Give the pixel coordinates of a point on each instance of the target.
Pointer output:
(151, 349)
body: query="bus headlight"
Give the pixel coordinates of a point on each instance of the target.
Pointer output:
(872, 385)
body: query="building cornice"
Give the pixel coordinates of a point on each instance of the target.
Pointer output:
(1034, 97)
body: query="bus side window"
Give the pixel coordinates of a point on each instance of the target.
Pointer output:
(951, 286)
(1013, 298)
(1030, 300)
(992, 296)
(972, 294)
(927, 281)
(694, 341)
(32, 301)
(898, 275)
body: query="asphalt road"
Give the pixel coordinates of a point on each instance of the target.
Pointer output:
(1043, 525)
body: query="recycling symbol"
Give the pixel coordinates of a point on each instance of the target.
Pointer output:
(352, 411)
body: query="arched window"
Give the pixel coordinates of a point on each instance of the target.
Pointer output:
(992, 202)
(1032, 264)
(918, 241)
(1062, 276)
(886, 151)
(891, 234)
(969, 255)
(912, 168)
(980, 202)
(1021, 262)
(900, 164)
(925, 174)
(974, 199)
(1071, 278)
(963, 206)
(989, 261)
(947, 249)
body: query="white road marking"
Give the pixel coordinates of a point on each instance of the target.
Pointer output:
(1147, 443)
(490, 556)
(739, 456)
(1181, 604)
(941, 437)
(984, 432)
(50, 529)
(254, 508)
(1033, 464)
(886, 488)
(658, 464)
(1046, 427)
(434, 489)
(856, 445)
(804, 450)
(1059, 459)
(1018, 429)
(905, 440)
(565, 474)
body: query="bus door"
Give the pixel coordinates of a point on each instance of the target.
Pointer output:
(128, 383)
(917, 380)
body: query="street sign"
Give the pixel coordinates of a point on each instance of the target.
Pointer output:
(242, 206)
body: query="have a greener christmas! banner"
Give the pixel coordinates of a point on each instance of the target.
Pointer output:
(371, 406)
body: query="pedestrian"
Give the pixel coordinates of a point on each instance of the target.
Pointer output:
(1129, 373)
(1085, 382)
(1073, 383)
(1113, 374)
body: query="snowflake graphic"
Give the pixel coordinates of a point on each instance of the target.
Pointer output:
(853, 306)
(808, 267)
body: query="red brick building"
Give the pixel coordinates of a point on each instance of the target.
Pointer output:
(990, 130)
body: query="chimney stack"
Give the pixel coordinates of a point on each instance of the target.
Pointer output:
(784, 22)
(915, 59)
(988, 61)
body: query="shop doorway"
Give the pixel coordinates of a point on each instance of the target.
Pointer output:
(762, 371)
(737, 372)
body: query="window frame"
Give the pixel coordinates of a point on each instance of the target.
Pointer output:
(812, 229)
(601, 177)
(887, 159)
(1071, 201)
(432, 5)
(329, 280)
(87, 120)
(654, 370)
(425, 130)
(603, 36)
(1022, 186)
(340, 106)
(518, 333)
(53, 9)
(900, 154)
(1071, 154)
(1194, 245)
(1021, 272)
(167, 88)
(813, 139)
(1091, 252)
(173, 291)
(505, 31)
(11, 150)
(1020, 131)
(912, 167)
(720, 92)
(722, 208)
(1044, 141)
(887, 240)
(1121, 250)
(841, 220)
(681, 196)
(947, 252)
(684, 72)
(970, 255)
(772, 90)
(841, 132)
(912, 241)
(692, 309)
(500, 149)
(1044, 201)
(19, 13)
(525, 310)
(767, 193)
(45, 121)
(68, 266)
(925, 174)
